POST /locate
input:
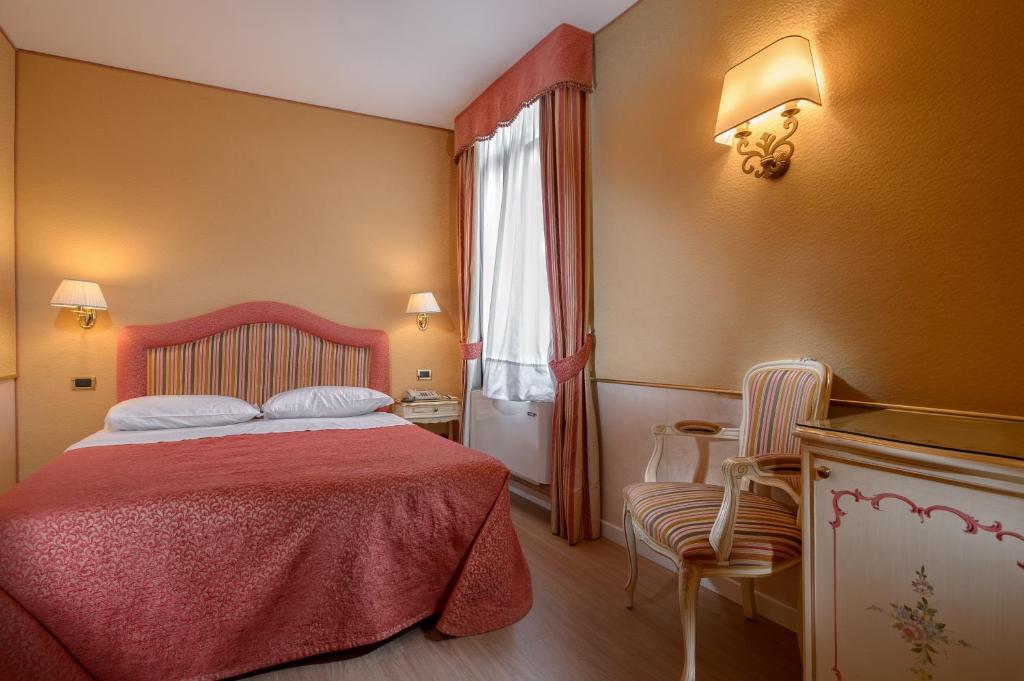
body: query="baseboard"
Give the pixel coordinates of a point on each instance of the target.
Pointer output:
(770, 608)
(515, 487)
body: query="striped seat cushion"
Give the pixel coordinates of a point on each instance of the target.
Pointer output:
(679, 516)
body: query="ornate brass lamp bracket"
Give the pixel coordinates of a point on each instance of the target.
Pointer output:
(769, 158)
(86, 317)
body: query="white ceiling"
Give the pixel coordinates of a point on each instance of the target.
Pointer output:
(420, 61)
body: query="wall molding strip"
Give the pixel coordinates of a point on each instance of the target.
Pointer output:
(836, 401)
(668, 386)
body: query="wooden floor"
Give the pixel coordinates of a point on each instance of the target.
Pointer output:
(578, 629)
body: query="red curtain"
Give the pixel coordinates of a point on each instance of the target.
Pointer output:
(576, 482)
(465, 168)
(464, 214)
(559, 72)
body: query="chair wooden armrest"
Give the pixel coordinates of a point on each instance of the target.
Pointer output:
(738, 471)
(699, 429)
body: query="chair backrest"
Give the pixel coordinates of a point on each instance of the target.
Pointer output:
(775, 396)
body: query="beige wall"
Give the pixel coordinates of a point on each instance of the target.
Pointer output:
(8, 363)
(8, 434)
(180, 199)
(891, 250)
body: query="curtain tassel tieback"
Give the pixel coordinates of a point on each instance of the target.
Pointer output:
(471, 350)
(570, 366)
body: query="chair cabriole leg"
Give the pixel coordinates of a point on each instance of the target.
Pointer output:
(689, 588)
(627, 527)
(749, 603)
(800, 621)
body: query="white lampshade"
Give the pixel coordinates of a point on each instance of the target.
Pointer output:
(78, 293)
(422, 303)
(780, 73)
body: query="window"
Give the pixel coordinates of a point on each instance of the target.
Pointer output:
(513, 303)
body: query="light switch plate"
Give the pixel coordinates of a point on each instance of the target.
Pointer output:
(424, 374)
(83, 383)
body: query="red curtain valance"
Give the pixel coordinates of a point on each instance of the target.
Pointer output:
(564, 58)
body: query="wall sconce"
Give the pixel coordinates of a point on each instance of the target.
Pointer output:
(422, 304)
(771, 82)
(83, 297)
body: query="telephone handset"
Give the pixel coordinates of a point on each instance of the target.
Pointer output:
(421, 395)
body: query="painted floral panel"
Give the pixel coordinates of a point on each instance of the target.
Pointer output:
(920, 629)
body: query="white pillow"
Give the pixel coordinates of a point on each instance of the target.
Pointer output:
(158, 412)
(327, 401)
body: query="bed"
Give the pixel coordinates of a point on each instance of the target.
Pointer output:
(208, 557)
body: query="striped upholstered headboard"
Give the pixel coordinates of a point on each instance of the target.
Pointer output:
(251, 351)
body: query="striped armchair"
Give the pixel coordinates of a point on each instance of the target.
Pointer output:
(711, 530)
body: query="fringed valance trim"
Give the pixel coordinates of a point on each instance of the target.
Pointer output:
(564, 58)
(567, 84)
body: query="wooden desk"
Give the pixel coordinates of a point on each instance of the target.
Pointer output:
(913, 547)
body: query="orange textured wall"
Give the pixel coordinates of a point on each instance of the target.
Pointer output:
(180, 199)
(893, 249)
(7, 303)
(8, 363)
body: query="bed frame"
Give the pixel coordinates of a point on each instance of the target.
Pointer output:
(228, 352)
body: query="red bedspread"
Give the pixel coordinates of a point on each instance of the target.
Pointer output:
(208, 558)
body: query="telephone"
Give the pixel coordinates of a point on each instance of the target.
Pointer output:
(420, 395)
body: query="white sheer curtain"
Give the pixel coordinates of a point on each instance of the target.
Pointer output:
(514, 313)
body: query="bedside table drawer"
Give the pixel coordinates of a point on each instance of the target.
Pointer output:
(420, 410)
(431, 410)
(425, 413)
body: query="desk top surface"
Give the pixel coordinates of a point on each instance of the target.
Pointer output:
(992, 437)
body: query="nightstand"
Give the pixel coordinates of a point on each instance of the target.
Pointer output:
(431, 411)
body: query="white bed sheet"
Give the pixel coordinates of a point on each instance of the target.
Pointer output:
(105, 438)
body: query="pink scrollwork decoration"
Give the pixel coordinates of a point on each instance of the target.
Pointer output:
(971, 526)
